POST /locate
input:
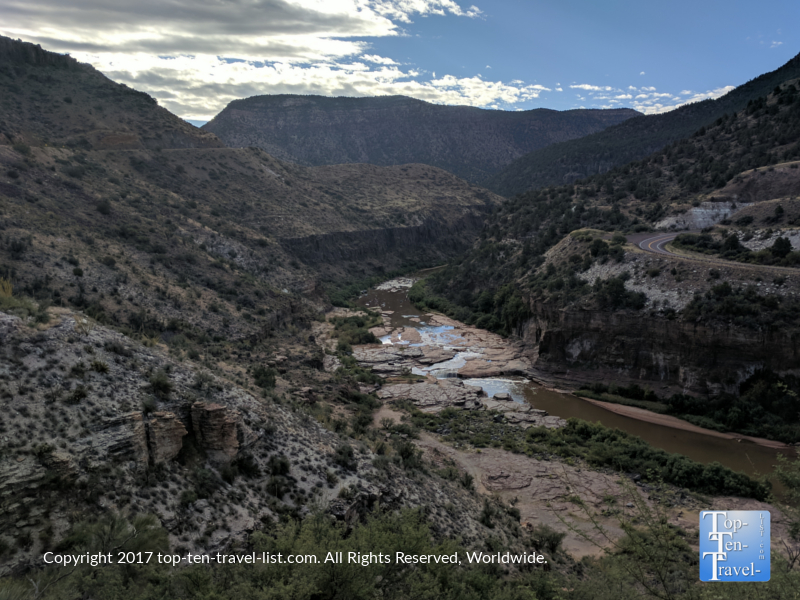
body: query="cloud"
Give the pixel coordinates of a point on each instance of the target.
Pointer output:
(197, 56)
(653, 102)
(642, 73)
(644, 99)
(776, 44)
(593, 88)
(381, 60)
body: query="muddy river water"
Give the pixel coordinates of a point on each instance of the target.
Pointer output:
(393, 301)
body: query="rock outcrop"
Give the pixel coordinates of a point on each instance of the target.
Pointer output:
(121, 438)
(454, 393)
(164, 436)
(575, 347)
(215, 429)
(390, 359)
(435, 397)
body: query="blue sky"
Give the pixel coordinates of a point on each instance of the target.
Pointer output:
(195, 56)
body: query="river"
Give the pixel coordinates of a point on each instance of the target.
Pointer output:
(744, 456)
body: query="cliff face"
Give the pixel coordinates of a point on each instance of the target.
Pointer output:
(439, 236)
(585, 346)
(470, 142)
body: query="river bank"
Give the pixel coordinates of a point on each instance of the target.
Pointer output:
(647, 416)
(449, 355)
(437, 363)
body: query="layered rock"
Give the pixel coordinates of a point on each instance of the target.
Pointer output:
(454, 393)
(441, 233)
(215, 429)
(164, 436)
(396, 130)
(122, 438)
(574, 347)
(395, 359)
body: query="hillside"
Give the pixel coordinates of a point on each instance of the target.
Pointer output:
(157, 297)
(554, 265)
(52, 100)
(86, 156)
(631, 140)
(472, 143)
(176, 383)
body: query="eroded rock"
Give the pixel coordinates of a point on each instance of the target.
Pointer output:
(215, 428)
(122, 438)
(505, 481)
(164, 436)
(434, 397)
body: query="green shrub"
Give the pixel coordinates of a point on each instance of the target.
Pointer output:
(160, 385)
(264, 377)
(345, 457)
(104, 207)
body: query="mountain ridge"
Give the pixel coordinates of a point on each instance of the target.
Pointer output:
(630, 140)
(469, 142)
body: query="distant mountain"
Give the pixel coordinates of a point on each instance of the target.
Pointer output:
(81, 155)
(472, 143)
(631, 140)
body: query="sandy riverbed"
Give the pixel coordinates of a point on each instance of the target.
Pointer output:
(668, 421)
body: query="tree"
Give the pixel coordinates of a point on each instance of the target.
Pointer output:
(781, 247)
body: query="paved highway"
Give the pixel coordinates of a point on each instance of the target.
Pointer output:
(656, 242)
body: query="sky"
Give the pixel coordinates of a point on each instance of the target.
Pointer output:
(195, 56)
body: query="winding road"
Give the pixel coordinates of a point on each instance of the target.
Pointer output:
(656, 244)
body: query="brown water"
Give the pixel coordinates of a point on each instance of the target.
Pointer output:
(747, 457)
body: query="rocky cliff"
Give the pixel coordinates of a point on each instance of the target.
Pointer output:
(470, 142)
(574, 347)
(437, 237)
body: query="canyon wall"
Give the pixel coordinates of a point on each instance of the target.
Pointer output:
(438, 237)
(574, 347)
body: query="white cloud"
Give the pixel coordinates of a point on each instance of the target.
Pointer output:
(652, 103)
(592, 88)
(381, 60)
(776, 44)
(558, 89)
(642, 73)
(644, 99)
(197, 56)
